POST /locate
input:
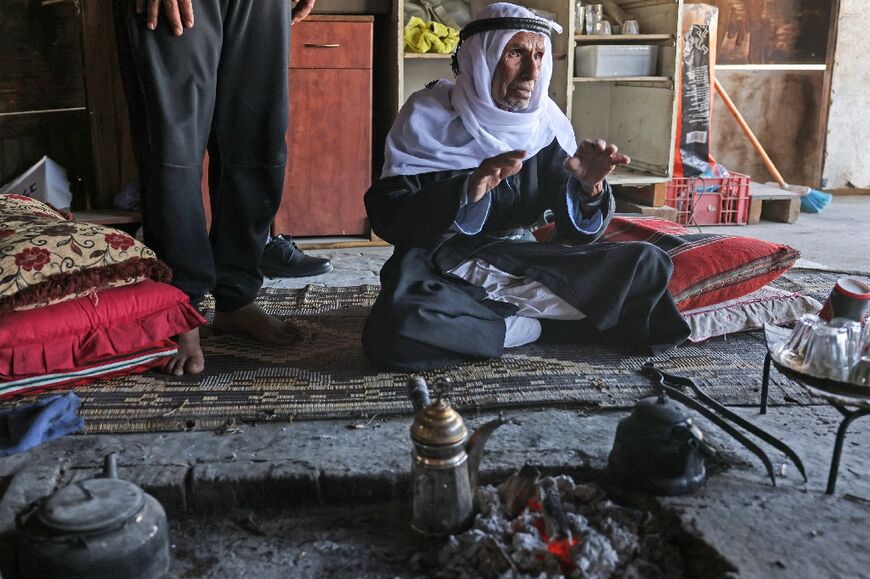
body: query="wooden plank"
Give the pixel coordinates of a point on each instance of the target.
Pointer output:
(665, 212)
(759, 191)
(652, 195)
(772, 31)
(98, 49)
(754, 211)
(62, 135)
(781, 210)
(108, 217)
(782, 108)
(621, 38)
(627, 79)
(331, 42)
(327, 177)
(40, 59)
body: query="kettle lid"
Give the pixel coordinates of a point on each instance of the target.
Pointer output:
(660, 409)
(438, 424)
(91, 505)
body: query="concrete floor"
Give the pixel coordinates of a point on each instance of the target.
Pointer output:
(315, 499)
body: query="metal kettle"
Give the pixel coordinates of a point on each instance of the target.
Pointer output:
(445, 464)
(658, 449)
(99, 528)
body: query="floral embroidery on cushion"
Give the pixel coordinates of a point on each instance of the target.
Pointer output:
(119, 241)
(32, 258)
(47, 259)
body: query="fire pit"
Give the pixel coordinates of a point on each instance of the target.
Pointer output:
(552, 526)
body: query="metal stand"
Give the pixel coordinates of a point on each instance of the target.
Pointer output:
(848, 417)
(765, 380)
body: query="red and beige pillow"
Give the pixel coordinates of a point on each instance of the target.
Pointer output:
(47, 259)
(79, 301)
(113, 332)
(709, 268)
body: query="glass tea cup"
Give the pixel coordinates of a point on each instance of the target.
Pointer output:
(602, 27)
(630, 27)
(860, 372)
(793, 351)
(832, 349)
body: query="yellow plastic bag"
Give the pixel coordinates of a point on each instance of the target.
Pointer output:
(422, 37)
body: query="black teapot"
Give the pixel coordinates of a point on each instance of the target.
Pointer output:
(99, 528)
(658, 449)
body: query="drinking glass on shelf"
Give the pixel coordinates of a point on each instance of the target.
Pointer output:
(602, 27)
(591, 20)
(579, 17)
(630, 27)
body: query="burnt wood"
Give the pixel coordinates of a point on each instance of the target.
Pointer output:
(773, 31)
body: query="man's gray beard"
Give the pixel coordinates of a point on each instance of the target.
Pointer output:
(517, 105)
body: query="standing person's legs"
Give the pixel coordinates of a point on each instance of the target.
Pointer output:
(248, 154)
(170, 84)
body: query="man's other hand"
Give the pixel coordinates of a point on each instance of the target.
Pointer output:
(593, 161)
(179, 13)
(301, 10)
(492, 171)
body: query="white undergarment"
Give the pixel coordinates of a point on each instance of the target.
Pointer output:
(534, 299)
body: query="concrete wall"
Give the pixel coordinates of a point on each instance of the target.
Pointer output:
(848, 138)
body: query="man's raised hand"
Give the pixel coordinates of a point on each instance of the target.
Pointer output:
(300, 11)
(492, 171)
(593, 161)
(179, 13)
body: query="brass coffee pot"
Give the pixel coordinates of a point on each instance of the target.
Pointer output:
(445, 464)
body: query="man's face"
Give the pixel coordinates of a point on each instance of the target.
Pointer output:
(513, 81)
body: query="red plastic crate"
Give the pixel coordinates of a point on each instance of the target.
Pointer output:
(710, 200)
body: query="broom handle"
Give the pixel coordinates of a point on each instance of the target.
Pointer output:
(742, 122)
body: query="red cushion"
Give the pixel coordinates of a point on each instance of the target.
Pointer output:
(709, 268)
(88, 331)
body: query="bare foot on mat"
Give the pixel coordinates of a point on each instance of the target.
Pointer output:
(189, 359)
(252, 321)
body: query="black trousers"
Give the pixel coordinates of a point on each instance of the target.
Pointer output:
(425, 319)
(222, 85)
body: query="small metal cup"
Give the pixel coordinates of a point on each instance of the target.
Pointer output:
(850, 298)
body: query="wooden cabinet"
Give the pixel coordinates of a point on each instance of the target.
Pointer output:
(329, 139)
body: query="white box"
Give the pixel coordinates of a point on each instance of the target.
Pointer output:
(45, 181)
(603, 60)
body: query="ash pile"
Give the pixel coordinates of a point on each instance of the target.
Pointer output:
(550, 526)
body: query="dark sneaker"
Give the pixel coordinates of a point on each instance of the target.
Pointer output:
(281, 258)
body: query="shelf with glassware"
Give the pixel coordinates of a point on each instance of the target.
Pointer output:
(635, 112)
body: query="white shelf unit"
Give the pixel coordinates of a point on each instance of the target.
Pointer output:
(635, 113)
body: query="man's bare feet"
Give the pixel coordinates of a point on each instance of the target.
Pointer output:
(189, 359)
(252, 321)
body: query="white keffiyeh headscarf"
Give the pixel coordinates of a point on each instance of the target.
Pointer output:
(452, 126)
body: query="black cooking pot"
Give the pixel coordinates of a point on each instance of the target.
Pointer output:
(95, 529)
(658, 449)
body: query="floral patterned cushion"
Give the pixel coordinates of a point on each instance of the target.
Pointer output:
(45, 258)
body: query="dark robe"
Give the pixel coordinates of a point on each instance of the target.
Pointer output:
(426, 318)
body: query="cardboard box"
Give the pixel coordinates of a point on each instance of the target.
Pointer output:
(45, 181)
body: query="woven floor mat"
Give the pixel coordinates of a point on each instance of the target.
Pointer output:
(326, 376)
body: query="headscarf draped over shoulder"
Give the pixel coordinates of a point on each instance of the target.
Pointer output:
(456, 125)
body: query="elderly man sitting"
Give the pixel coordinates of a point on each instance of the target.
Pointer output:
(470, 166)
